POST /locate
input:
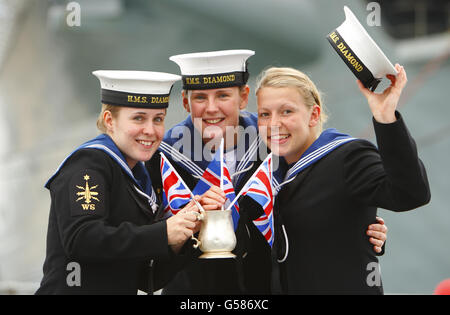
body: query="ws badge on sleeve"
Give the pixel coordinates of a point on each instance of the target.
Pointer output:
(87, 189)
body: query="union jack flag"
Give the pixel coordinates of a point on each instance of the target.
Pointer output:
(211, 177)
(259, 188)
(175, 192)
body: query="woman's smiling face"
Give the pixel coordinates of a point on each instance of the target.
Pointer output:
(285, 123)
(214, 110)
(137, 132)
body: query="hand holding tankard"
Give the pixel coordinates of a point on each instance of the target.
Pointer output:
(216, 238)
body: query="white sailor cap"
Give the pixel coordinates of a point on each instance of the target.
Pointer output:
(360, 52)
(214, 69)
(142, 89)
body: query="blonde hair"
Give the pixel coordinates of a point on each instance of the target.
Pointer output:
(114, 112)
(289, 77)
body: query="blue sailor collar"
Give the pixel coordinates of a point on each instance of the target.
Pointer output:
(139, 174)
(189, 152)
(329, 140)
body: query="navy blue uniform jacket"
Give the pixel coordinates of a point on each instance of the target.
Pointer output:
(343, 190)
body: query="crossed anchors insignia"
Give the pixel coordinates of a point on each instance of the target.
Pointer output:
(87, 194)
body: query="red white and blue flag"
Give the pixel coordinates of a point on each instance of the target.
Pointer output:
(259, 188)
(212, 177)
(175, 192)
(228, 189)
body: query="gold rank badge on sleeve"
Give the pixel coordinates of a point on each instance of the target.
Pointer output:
(87, 195)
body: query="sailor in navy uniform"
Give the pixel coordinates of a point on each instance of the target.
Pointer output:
(104, 234)
(221, 76)
(332, 179)
(215, 94)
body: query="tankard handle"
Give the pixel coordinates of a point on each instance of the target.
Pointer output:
(200, 217)
(197, 242)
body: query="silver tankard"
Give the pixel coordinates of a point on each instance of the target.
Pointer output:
(216, 238)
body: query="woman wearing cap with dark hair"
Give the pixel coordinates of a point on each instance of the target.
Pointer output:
(215, 94)
(105, 234)
(333, 180)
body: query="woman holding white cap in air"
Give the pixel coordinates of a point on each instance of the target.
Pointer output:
(105, 235)
(215, 94)
(332, 180)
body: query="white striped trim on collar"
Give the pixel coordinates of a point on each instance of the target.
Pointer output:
(307, 159)
(151, 199)
(248, 155)
(276, 185)
(176, 155)
(116, 157)
(310, 157)
(197, 170)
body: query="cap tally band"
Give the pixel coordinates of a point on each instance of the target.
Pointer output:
(152, 101)
(214, 81)
(353, 62)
